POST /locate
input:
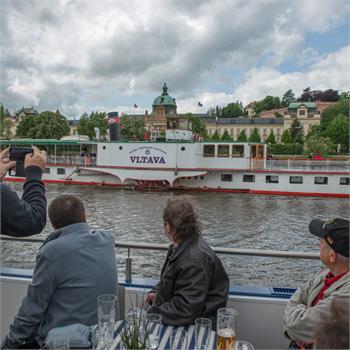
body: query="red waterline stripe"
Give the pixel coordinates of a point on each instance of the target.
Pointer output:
(200, 189)
(311, 194)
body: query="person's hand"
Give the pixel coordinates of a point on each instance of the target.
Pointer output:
(150, 298)
(5, 163)
(37, 158)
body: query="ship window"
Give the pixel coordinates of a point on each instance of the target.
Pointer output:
(103, 147)
(238, 151)
(295, 179)
(321, 180)
(344, 181)
(183, 148)
(202, 177)
(61, 171)
(223, 150)
(120, 147)
(248, 178)
(208, 151)
(226, 177)
(272, 179)
(46, 171)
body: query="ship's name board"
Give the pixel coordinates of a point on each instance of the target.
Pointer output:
(147, 158)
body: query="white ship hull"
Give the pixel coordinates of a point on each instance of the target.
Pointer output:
(186, 165)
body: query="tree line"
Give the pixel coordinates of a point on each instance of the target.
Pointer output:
(236, 109)
(332, 134)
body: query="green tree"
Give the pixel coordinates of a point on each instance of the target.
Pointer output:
(216, 136)
(254, 136)
(5, 124)
(44, 126)
(319, 145)
(271, 140)
(225, 136)
(132, 128)
(232, 110)
(288, 97)
(278, 115)
(339, 108)
(345, 96)
(198, 127)
(314, 131)
(242, 137)
(296, 131)
(87, 123)
(27, 123)
(338, 131)
(285, 138)
(268, 103)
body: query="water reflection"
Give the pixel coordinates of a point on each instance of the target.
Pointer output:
(229, 220)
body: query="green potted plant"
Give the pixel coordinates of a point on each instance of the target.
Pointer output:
(134, 335)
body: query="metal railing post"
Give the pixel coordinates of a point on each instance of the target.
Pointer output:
(128, 268)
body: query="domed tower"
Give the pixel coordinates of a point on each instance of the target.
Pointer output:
(164, 104)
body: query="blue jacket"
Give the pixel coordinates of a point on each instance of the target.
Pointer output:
(74, 266)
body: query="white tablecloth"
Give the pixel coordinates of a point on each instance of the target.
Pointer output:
(165, 334)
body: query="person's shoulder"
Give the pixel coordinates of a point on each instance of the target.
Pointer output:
(106, 234)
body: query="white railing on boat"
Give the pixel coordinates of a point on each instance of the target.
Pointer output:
(308, 165)
(69, 160)
(164, 247)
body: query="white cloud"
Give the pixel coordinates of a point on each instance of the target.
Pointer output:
(59, 54)
(330, 71)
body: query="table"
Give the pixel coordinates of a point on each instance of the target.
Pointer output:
(165, 333)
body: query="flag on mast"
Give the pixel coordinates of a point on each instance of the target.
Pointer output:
(135, 105)
(200, 104)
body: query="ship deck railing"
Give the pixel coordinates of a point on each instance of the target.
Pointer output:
(309, 165)
(271, 164)
(71, 160)
(164, 247)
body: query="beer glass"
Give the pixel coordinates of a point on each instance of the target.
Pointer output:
(202, 333)
(106, 318)
(226, 328)
(152, 330)
(178, 339)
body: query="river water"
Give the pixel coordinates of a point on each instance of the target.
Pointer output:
(229, 220)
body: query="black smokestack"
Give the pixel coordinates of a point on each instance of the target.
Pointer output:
(114, 126)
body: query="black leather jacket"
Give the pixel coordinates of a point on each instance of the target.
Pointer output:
(193, 284)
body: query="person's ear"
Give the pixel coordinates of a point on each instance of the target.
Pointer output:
(332, 256)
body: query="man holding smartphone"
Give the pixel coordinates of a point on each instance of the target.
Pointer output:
(27, 216)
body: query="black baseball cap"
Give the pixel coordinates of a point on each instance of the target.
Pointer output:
(335, 232)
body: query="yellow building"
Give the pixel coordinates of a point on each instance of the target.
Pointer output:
(235, 126)
(306, 112)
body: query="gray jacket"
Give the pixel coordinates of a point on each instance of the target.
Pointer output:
(74, 266)
(193, 284)
(300, 318)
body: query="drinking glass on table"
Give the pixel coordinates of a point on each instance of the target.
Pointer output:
(243, 345)
(152, 330)
(59, 343)
(178, 339)
(202, 333)
(106, 318)
(226, 328)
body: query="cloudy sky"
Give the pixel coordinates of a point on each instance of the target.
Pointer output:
(80, 56)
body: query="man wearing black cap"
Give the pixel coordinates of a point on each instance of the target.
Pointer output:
(311, 303)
